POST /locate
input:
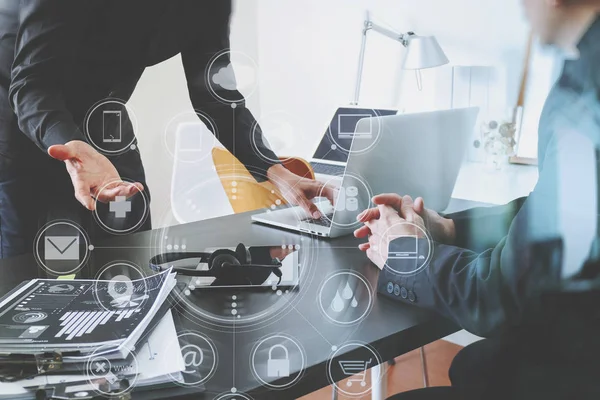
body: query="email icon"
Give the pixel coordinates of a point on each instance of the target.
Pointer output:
(61, 248)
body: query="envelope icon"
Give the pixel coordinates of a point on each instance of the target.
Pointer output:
(61, 248)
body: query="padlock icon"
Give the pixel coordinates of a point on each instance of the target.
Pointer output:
(278, 367)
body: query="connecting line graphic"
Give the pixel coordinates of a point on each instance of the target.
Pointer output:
(126, 247)
(233, 361)
(316, 330)
(331, 247)
(233, 133)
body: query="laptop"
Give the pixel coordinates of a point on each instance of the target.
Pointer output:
(415, 154)
(331, 155)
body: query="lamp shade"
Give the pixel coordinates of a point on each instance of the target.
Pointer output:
(423, 52)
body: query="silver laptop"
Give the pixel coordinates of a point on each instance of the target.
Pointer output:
(331, 155)
(415, 154)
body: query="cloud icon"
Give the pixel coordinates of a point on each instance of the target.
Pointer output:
(226, 77)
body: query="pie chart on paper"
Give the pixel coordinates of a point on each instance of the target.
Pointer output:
(128, 301)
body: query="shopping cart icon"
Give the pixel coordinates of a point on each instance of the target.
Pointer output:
(357, 370)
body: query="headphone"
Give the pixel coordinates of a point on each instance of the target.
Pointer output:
(221, 263)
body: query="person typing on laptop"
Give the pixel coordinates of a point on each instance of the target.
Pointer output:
(482, 271)
(61, 59)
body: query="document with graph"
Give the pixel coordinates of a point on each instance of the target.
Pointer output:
(80, 316)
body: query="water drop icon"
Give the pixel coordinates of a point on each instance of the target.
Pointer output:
(354, 303)
(347, 293)
(337, 305)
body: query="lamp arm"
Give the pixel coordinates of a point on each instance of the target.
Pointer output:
(399, 37)
(370, 25)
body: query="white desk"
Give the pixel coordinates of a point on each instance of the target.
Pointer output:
(477, 182)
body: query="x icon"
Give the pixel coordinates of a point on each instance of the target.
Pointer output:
(100, 367)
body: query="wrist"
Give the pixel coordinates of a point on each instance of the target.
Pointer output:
(277, 172)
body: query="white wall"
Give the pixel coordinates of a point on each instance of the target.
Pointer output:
(307, 54)
(162, 94)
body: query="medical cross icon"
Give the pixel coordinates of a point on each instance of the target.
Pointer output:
(120, 206)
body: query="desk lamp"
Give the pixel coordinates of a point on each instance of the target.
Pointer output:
(421, 51)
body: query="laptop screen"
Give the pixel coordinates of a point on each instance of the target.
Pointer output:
(337, 141)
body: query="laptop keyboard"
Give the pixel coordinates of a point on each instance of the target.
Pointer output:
(325, 220)
(328, 169)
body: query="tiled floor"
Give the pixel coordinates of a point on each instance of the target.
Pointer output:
(406, 374)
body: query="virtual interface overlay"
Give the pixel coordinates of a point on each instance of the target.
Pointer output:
(337, 142)
(53, 313)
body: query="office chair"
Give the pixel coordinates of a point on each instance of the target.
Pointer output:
(196, 191)
(243, 191)
(209, 182)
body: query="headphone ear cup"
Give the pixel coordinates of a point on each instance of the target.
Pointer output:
(224, 256)
(243, 254)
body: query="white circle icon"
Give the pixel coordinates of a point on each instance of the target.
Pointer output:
(348, 369)
(234, 395)
(278, 361)
(405, 253)
(345, 298)
(120, 286)
(61, 248)
(199, 358)
(352, 197)
(108, 379)
(226, 80)
(110, 127)
(121, 215)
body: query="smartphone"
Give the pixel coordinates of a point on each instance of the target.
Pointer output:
(112, 126)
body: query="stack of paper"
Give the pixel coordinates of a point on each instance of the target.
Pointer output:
(90, 335)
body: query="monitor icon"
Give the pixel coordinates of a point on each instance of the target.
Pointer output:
(410, 252)
(111, 126)
(348, 123)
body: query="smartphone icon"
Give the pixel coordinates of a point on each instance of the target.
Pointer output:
(111, 126)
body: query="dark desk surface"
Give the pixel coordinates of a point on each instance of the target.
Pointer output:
(391, 329)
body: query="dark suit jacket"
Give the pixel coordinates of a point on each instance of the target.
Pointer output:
(484, 281)
(60, 57)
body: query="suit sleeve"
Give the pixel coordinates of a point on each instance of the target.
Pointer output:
(480, 228)
(237, 129)
(485, 291)
(48, 34)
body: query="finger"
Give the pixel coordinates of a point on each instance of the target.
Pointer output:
(391, 199)
(139, 186)
(61, 152)
(134, 188)
(328, 192)
(83, 195)
(308, 206)
(364, 246)
(419, 205)
(362, 232)
(368, 215)
(106, 195)
(119, 189)
(407, 211)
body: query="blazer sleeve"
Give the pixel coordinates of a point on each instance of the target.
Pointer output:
(49, 32)
(482, 227)
(485, 291)
(236, 127)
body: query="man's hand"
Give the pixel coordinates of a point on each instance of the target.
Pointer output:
(300, 191)
(439, 228)
(91, 173)
(385, 227)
